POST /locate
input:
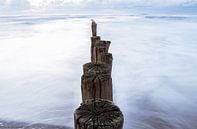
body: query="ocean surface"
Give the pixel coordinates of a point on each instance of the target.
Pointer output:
(154, 68)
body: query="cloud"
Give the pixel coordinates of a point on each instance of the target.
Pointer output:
(53, 2)
(14, 4)
(148, 2)
(23, 4)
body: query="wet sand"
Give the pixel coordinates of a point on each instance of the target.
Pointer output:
(23, 125)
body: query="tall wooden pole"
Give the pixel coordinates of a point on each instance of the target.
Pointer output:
(97, 111)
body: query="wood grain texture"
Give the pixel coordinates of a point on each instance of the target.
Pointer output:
(96, 67)
(96, 82)
(99, 48)
(106, 58)
(98, 114)
(94, 40)
(97, 111)
(94, 28)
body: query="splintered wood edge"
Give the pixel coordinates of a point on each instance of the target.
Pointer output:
(98, 114)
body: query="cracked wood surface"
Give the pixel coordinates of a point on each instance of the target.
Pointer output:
(97, 68)
(98, 114)
(97, 110)
(106, 58)
(96, 82)
(99, 48)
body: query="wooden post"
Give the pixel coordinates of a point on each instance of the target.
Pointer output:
(96, 68)
(94, 40)
(94, 28)
(96, 82)
(106, 58)
(98, 114)
(99, 48)
(97, 111)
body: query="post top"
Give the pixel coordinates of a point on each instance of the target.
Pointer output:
(93, 20)
(99, 114)
(94, 28)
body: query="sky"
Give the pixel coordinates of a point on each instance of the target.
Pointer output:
(16, 5)
(22, 4)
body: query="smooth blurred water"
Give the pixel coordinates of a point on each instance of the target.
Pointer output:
(154, 69)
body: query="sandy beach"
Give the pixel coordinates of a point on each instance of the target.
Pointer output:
(23, 125)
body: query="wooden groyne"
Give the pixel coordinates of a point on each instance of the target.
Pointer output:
(97, 110)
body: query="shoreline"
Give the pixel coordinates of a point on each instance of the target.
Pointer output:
(24, 125)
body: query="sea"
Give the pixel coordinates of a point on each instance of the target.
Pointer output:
(154, 67)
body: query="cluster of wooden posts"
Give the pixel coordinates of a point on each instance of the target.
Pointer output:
(97, 110)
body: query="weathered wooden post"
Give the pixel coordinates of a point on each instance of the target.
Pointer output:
(97, 111)
(98, 114)
(94, 28)
(96, 82)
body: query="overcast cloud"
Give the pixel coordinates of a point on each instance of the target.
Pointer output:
(32, 4)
